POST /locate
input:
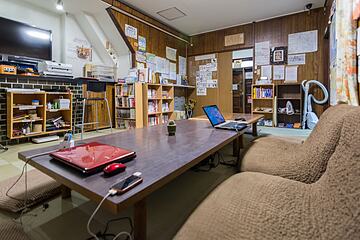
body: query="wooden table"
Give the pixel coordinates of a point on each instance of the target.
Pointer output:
(249, 118)
(160, 158)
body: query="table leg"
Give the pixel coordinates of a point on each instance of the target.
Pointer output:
(254, 129)
(65, 192)
(140, 220)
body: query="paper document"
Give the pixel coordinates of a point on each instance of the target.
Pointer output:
(298, 59)
(279, 72)
(266, 71)
(171, 53)
(182, 66)
(303, 42)
(262, 53)
(291, 74)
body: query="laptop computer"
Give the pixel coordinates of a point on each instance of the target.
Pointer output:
(217, 120)
(92, 157)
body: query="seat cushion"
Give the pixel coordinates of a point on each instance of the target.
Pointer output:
(251, 206)
(10, 230)
(40, 188)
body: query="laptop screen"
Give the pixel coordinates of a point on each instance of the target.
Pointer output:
(214, 115)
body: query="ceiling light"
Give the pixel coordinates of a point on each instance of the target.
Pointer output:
(60, 5)
(171, 13)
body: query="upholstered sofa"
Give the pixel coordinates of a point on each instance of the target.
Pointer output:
(254, 205)
(304, 162)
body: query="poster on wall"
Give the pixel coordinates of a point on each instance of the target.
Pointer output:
(262, 53)
(142, 43)
(182, 66)
(303, 42)
(131, 31)
(171, 53)
(291, 74)
(79, 49)
(297, 59)
(279, 72)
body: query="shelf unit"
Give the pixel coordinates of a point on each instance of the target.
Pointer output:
(21, 112)
(158, 104)
(128, 105)
(293, 93)
(263, 101)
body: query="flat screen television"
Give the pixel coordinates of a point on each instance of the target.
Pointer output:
(23, 40)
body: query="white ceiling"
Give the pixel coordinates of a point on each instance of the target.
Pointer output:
(208, 15)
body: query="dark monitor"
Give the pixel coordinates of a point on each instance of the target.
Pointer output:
(214, 115)
(23, 40)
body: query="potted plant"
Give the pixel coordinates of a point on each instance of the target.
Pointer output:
(171, 126)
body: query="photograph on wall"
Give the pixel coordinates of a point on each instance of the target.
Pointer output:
(279, 56)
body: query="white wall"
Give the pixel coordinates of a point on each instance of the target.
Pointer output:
(74, 33)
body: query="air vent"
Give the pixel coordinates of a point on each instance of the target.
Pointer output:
(171, 13)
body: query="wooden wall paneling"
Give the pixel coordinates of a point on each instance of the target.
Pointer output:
(212, 96)
(225, 79)
(156, 40)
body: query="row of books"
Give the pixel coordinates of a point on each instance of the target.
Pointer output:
(153, 120)
(125, 102)
(262, 93)
(153, 107)
(125, 90)
(125, 124)
(126, 113)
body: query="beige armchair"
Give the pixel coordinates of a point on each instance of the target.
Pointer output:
(259, 206)
(304, 162)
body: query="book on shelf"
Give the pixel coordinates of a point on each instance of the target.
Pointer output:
(153, 120)
(259, 92)
(125, 124)
(153, 106)
(165, 118)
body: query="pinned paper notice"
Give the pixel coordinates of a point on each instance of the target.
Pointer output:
(266, 71)
(303, 42)
(262, 53)
(291, 74)
(298, 59)
(212, 83)
(131, 31)
(171, 53)
(279, 72)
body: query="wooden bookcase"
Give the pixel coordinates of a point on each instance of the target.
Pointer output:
(293, 93)
(21, 113)
(128, 105)
(158, 104)
(263, 101)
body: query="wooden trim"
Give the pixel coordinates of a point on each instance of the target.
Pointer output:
(124, 37)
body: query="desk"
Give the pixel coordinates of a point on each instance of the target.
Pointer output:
(160, 158)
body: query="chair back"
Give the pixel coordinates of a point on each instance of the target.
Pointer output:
(96, 86)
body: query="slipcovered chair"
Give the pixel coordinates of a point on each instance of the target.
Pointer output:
(304, 162)
(259, 206)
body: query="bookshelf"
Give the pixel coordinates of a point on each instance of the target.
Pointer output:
(292, 93)
(263, 102)
(27, 119)
(158, 104)
(128, 105)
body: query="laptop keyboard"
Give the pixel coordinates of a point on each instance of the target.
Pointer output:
(234, 125)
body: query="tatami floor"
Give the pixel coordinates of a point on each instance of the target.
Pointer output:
(168, 207)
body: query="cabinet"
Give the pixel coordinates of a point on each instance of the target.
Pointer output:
(28, 114)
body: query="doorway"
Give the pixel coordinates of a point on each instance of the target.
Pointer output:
(242, 66)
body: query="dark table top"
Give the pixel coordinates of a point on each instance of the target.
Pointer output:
(160, 158)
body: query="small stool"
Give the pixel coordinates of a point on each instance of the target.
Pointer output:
(92, 87)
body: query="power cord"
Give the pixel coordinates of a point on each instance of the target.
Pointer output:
(111, 192)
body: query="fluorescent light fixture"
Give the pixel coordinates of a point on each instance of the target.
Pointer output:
(171, 13)
(60, 5)
(37, 34)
